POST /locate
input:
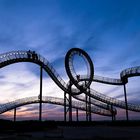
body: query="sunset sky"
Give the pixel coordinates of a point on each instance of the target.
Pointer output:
(108, 30)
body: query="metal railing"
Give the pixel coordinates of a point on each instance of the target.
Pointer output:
(52, 100)
(22, 56)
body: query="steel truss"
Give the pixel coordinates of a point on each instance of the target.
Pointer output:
(30, 56)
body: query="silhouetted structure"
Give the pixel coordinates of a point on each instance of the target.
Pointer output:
(94, 102)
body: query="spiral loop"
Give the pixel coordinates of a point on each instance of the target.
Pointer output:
(75, 78)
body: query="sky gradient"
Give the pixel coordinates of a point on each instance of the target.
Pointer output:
(109, 31)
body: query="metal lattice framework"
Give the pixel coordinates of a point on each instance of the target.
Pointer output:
(25, 56)
(135, 71)
(51, 100)
(28, 56)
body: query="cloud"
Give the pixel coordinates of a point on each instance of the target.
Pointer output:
(107, 31)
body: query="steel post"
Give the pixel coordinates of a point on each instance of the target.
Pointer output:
(86, 107)
(14, 114)
(65, 109)
(77, 115)
(90, 118)
(70, 103)
(112, 115)
(126, 105)
(40, 96)
(70, 108)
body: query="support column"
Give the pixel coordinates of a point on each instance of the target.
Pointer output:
(70, 103)
(70, 108)
(112, 113)
(65, 109)
(126, 105)
(90, 118)
(40, 96)
(14, 114)
(77, 115)
(67, 101)
(86, 107)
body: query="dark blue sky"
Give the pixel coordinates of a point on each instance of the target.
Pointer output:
(109, 30)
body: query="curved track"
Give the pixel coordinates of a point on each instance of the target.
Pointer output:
(93, 101)
(87, 78)
(52, 100)
(74, 77)
(25, 56)
(125, 74)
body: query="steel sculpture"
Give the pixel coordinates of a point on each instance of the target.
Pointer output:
(96, 98)
(78, 105)
(75, 79)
